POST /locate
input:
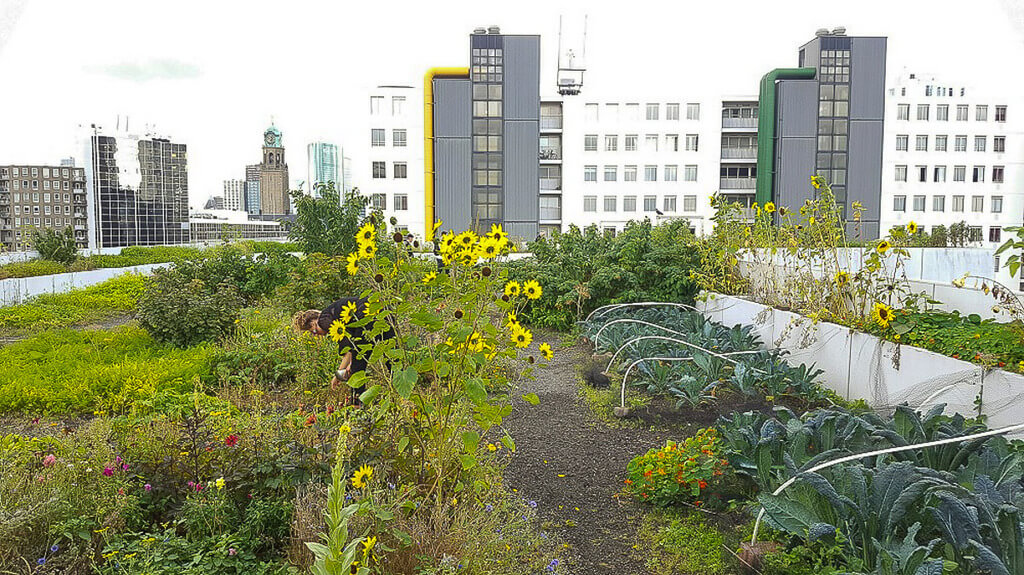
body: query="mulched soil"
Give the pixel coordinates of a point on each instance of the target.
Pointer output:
(573, 466)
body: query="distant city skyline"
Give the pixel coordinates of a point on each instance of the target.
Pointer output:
(183, 76)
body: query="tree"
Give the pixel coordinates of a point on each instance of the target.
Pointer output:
(56, 246)
(324, 223)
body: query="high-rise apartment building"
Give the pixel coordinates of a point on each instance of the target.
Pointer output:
(252, 189)
(138, 189)
(274, 186)
(482, 136)
(393, 150)
(41, 197)
(953, 154)
(234, 195)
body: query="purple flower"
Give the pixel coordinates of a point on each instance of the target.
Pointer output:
(118, 459)
(147, 487)
(191, 484)
(533, 504)
(124, 467)
(41, 561)
(551, 566)
(232, 551)
(489, 507)
(54, 548)
(108, 471)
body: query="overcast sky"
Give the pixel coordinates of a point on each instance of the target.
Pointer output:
(211, 73)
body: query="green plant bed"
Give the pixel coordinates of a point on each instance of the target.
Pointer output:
(674, 541)
(69, 371)
(111, 298)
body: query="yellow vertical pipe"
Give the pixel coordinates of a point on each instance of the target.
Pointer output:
(428, 139)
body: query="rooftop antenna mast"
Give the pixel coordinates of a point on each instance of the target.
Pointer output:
(569, 79)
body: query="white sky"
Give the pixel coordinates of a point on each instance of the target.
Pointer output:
(211, 73)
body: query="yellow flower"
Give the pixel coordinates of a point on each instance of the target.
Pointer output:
(367, 251)
(842, 278)
(769, 207)
(491, 447)
(811, 221)
(337, 331)
(816, 182)
(488, 248)
(746, 231)
(361, 476)
(368, 544)
(521, 336)
(912, 227)
(545, 350)
(446, 241)
(348, 312)
(366, 234)
(512, 319)
(344, 429)
(219, 483)
(882, 314)
(466, 239)
(883, 246)
(429, 277)
(512, 289)
(532, 289)
(352, 265)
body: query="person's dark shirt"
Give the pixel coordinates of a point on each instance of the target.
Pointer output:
(332, 313)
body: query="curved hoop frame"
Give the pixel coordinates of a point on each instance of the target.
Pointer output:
(613, 306)
(638, 362)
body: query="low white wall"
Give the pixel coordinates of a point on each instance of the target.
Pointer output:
(858, 365)
(16, 290)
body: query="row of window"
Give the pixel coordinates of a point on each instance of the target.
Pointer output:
(57, 172)
(629, 173)
(942, 112)
(959, 174)
(27, 210)
(48, 222)
(899, 204)
(46, 197)
(378, 137)
(400, 170)
(611, 142)
(34, 185)
(942, 143)
(377, 106)
(629, 203)
(380, 202)
(652, 111)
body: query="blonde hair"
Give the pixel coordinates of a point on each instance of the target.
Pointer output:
(302, 320)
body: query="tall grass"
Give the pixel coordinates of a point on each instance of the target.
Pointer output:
(113, 297)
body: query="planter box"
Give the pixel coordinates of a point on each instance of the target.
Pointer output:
(858, 365)
(14, 291)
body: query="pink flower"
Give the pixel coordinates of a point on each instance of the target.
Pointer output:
(147, 487)
(49, 460)
(125, 467)
(118, 459)
(108, 471)
(231, 440)
(232, 551)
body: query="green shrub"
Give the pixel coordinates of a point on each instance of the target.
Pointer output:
(686, 471)
(31, 268)
(56, 246)
(185, 312)
(103, 300)
(673, 542)
(324, 223)
(315, 282)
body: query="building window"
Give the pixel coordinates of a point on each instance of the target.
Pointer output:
(630, 144)
(901, 173)
(977, 204)
(611, 143)
(899, 203)
(379, 201)
(379, 171)
(611, 112)
(902, 142)
(589, 173)
(997, 174)
(999, 144)
(650, 203)
(1000, 113)
(629, 202)
(589, 203)
(650, 173)
(961, 112)
(377, 137)
(960, 144)
(672, 142)
(398, 138)
(401, 171)
(693, 111)
(995, 233)
(610, 203)
(939, 204)
(919, 203)
(942, 112)
(590, 143)
(401, 202)
(670, 204)
(629, 174)
(903, 111)
(671, 111)
(959, 173)
(689, 203)
(671, 173)
(633, 112)
(652, 111)
(550, 208)
(981, 113)
(376, 102)
(610, 173)
(997, 204)
(979, 143)
(921, 144)
(690, 173)
(692, 142)
(940, 174)
(651, 142)
(978, 174)
(397, 105)
(922, 173)
(922, 111)
(940, 143)
(590, 112)
(974, 234)
(958, 203)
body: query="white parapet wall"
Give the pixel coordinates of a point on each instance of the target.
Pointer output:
(16, 290)
(858, 365)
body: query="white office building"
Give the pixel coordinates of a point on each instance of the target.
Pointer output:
(952, 153)
(234, 195)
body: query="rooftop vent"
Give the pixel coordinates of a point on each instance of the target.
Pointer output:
(821, 32)
(480, 30)
(493, 30)
(839, 31)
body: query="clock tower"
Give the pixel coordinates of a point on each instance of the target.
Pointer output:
(274, 198)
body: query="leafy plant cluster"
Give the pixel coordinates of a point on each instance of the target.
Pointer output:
(56, 246)
(117, 296)
(678, 472)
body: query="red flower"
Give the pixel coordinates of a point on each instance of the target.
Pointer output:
(231, 440)
(311, 419)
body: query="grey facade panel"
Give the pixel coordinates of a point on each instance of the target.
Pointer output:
(452, 101)
(522, 178)
(452, 182)
(526, 231)
(797, 109)
(521, 95)
(794, 167)
(867, 78)
(864, 174)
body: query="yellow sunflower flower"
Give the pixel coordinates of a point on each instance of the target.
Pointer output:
(366, 234)
(912, 227)
(883, 246)
(488, 248)
(532, 289)
(546, 351)
(769, 207)
(361, 476)
(466, 239)
(882, 314)
(367, 251)
(348, 312)
(842, 278)
(337, 332)
(512, 319)
(512, 289)
(352, 265)
(429, 277)
(446, 241)
(521, 337)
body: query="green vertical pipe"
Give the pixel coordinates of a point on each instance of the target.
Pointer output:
(766, 120)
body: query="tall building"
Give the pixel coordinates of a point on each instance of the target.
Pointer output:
(234, 195)
(324, 164)
(138, 189)
(214, 203)
(482, 135)
(41, 197)
(737, 172)
(825, 117)
(274, 197)
(953, 154)
(393, 146)
(252, 189)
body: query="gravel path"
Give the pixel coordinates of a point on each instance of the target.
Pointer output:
(573, 465)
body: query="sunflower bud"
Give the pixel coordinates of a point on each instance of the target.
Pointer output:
(531, 359)
(458, 314)
(486, 271)
(378, 278)
(394, 221)
(397, 237)
(504, 297)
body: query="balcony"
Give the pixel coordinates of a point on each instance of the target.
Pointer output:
(739, 153)
(550, 122)
(551, 184)
(739, 123)
(737, 183)
(79, 214)
(79, 228)
(548, 154)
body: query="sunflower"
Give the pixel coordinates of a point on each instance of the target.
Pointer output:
(512, 319)
(769, 207)
(882, 314)
(545, 350)
(746, 231)
(811, 221)
(842, 278)
(816, 182)
(512, 289)
(475, 342)
(466, 239)
(367, 251)
(488, 248)
(446, 241)
(782, 210)
(912, 227)
(337, 331)
(883, 246)
(532, 289)
(521, 336)
(352, 266)
(361, 476)
(348, 312)
(429, 277)
(366, 234)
